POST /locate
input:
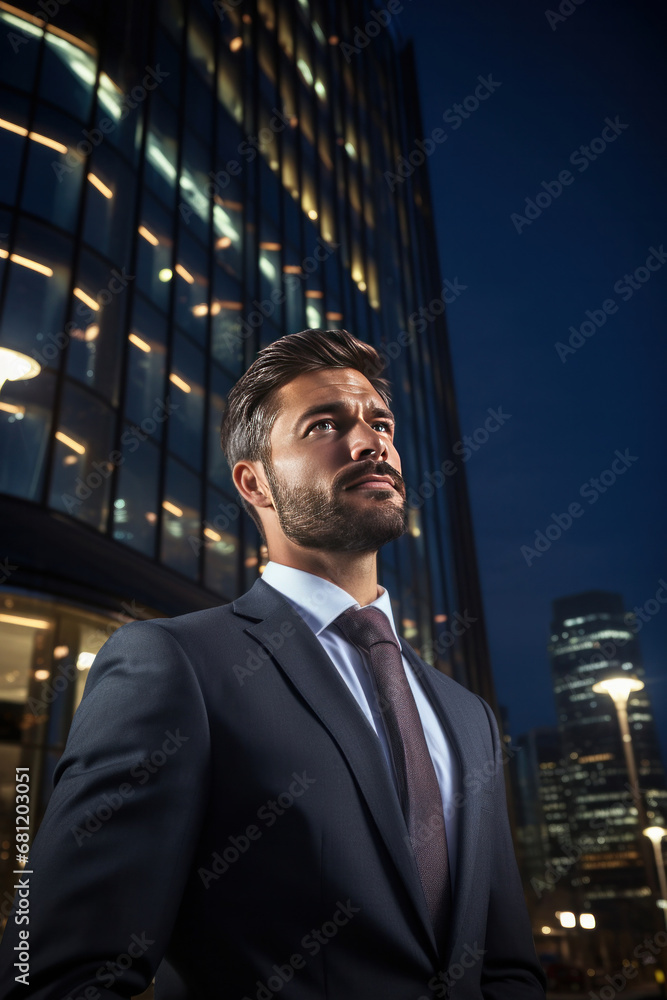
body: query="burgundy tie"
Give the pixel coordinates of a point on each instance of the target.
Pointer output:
(419, 792)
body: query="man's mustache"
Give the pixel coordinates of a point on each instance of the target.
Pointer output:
(371, 469)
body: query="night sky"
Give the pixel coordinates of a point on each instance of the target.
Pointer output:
(524, 289)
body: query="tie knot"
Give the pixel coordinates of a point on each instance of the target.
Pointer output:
(365, 627)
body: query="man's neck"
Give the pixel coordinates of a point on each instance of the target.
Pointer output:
(355, 573)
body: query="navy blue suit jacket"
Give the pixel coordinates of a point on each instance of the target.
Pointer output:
(223, 819)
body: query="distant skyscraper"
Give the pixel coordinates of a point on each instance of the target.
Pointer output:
(593, 636)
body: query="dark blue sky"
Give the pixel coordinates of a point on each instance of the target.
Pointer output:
(525, 289)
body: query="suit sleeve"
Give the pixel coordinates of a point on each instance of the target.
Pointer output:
(510, 970)
(113, 852)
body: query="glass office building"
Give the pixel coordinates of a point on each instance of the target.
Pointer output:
(182, 183)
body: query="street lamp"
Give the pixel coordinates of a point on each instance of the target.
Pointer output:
(15, 366)
(620, 689)
(655, 834)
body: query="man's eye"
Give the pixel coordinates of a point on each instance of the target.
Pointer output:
(319, 424)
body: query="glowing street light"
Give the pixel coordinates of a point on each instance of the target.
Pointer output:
(15, 366)
(656, 834)
(620, 689)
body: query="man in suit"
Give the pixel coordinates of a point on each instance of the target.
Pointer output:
(277, 797)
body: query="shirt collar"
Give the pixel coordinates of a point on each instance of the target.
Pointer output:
(318, 601)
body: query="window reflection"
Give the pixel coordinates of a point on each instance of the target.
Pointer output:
(181, 520)
(135, 509)
(221, 544)
(68, 74)
(13, 133)
(154, 252)
(19, 43)
(25, 422)
(195, 203)
(228, 332)
(146, 367)
(54, 172)
(191, 281)
(34, 312)
(186, 393)
(161, 150)
(82, 466)
(98, 310)
(109, 205)
(228, 233)
(218, 470)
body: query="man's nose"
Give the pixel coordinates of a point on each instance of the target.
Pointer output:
(366, 442)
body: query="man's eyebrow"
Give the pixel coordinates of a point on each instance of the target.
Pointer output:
(336, 406)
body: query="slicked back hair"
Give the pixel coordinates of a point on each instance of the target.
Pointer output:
(253, 404)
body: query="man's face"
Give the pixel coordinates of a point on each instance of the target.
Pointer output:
(334, 429)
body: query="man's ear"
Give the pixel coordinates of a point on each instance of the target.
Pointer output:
(250, 480)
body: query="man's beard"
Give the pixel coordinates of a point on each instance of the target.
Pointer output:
(310, 516)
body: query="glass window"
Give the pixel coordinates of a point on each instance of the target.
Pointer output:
(228, 234)
(99, 305)
(19, 44)
(161, 150)
(195, 202)
(37, 288)
(191, 280)
(26, 408)
(83, 464)
(154, 252)
(221, 544)
(218, 470)
(168, 56)
(186, 394)
(146, 367)
(135, 509)
(110, 199)
(230, 62)
(181, 520)
(54, 172)
(228, 330)
(171, 17)
(13, 130)
(68, 74)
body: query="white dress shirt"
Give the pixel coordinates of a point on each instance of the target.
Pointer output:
(320, 602)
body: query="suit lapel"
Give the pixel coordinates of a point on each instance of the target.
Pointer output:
(303, 659)
(471, 763)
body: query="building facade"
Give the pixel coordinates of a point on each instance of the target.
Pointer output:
(592, 638)
(183, 182)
